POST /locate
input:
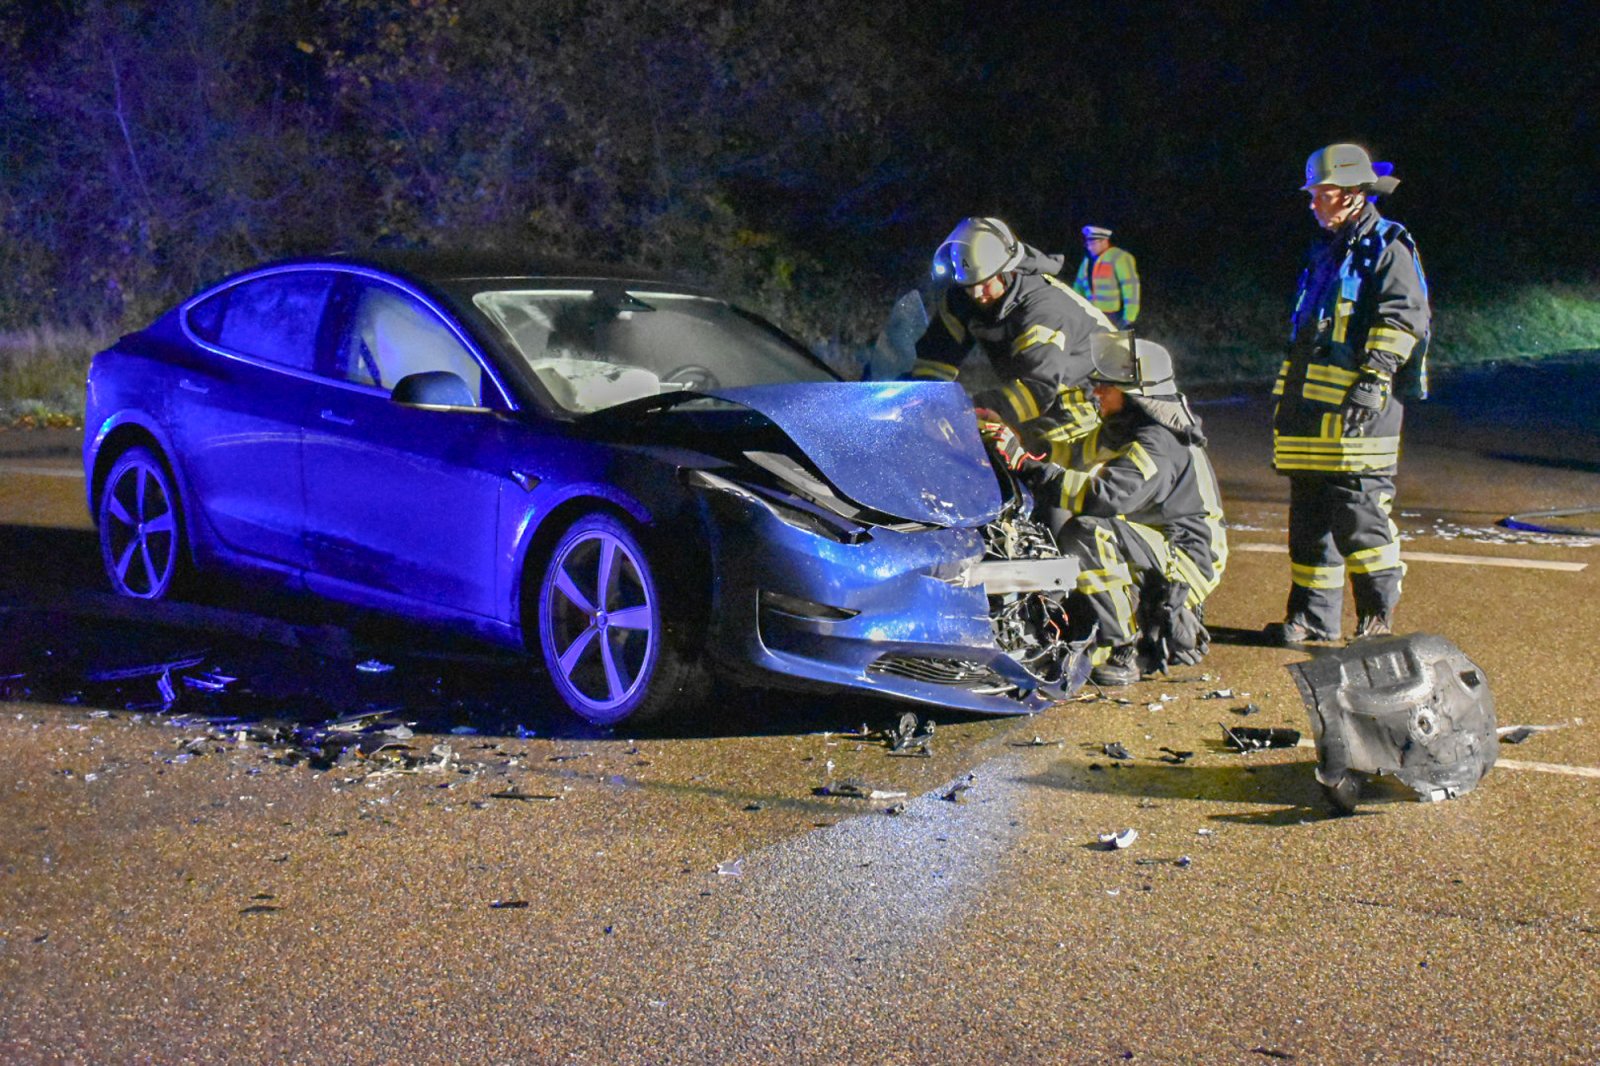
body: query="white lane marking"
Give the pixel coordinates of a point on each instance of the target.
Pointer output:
(42, 471)
(1442, 557)
(1549, 768)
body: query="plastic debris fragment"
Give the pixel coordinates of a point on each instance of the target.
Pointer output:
(1414, 707)
(374, 666)
(507, 904)
(1115, 750)
(1242, 738)
(1119, 840)
(731, 868)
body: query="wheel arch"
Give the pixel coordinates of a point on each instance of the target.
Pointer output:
(114, 440)
(689, 587)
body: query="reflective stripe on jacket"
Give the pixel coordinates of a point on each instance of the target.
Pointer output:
(1036, 338)
(1135, 468)
(1362, 305)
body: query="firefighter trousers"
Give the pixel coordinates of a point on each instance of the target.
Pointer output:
(1116, 558)
(1340, 525)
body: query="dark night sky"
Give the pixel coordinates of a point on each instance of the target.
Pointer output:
(850, 134)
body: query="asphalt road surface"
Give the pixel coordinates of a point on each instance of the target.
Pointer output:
(208, 853)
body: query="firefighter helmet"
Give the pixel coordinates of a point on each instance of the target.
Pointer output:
(1137, 367)
(976, 250)
(1348, 166)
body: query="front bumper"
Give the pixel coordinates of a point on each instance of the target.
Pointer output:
(903, 615)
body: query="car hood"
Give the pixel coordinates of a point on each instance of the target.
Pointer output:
(909, 449)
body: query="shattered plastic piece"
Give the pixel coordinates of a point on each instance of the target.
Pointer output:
(1176, 758)
(1414, 707)
(1119, 840)
(1516, 734)
(524, 733)
(518, 794)
(1218, 694)
(169, 695)
(731, 868)
(1242, 738)
(1115, 750)
(1248, 709)
(507, 904)
(898, 808)
(1271, 1053)
(373, 666)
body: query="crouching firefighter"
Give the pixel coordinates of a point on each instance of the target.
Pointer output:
(1139, 509)
(1005, 298)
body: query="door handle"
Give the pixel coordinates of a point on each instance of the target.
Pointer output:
(193, 386)
(329, 416)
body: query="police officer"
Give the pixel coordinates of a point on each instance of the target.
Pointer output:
(1360, 326)
(1109, 277)
(1004, 297)
(1140, 510)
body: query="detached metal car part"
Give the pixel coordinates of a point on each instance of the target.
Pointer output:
(639, 483)
(1414, 707)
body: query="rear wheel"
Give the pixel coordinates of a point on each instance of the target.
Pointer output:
(603, 632)
(141, 529)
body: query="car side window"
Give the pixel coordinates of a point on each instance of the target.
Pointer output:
(391, 335)
(274, 318)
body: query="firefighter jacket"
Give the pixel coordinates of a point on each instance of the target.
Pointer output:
(1362, 310)
(1037, 338)
(1148, 464)
(1111, 282)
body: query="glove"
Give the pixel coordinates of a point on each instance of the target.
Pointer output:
(1004, 441)
(1362, 404)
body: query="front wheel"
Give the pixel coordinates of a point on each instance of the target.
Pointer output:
(602, 628)
(141, 528)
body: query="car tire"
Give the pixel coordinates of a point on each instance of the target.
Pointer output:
(606, 638)
(142, 540)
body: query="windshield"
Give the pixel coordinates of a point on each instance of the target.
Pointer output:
(592, 349)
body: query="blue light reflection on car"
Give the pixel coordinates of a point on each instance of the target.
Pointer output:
(677, 488)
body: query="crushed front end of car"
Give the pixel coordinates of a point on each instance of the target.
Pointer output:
(871, 549)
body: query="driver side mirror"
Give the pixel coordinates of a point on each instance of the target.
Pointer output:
(434, 390)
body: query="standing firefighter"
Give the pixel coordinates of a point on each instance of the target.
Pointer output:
(1360, 319)
(1035, 330)
(1109, 277)
(1140, 511)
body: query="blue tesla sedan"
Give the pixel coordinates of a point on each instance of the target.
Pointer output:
(640, 484)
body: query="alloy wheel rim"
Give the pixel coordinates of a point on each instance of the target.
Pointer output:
(600, 619)
(141, 532)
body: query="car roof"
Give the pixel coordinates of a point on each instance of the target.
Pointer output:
(438, 266)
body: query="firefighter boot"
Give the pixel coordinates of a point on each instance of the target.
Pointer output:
(1122, 668)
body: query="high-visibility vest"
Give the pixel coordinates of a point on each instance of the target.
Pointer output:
(1111, 282)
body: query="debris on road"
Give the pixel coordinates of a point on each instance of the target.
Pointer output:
(1176, 758)
(1414, 707)
(507, 904)
(731, 868)
(1516, 734)
(1242, 738)
(374, 666)
(957, 792)
(856, 790)
(1115, 750)
(1120, 840)
(1248, 709)
(1218, 694)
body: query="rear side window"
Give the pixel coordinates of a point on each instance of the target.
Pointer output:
(274, 318)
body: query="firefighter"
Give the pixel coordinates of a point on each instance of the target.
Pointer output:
(1004, 296)
(1140, 510)
(1360, 327)
(1109, 277)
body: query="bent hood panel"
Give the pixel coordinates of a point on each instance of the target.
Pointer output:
(910, 449)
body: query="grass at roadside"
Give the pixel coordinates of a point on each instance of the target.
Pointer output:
(42, 374)
(1232, 337)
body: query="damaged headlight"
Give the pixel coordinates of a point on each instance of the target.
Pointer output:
(792, 512)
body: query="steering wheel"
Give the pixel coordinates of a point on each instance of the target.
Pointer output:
(692, 376)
